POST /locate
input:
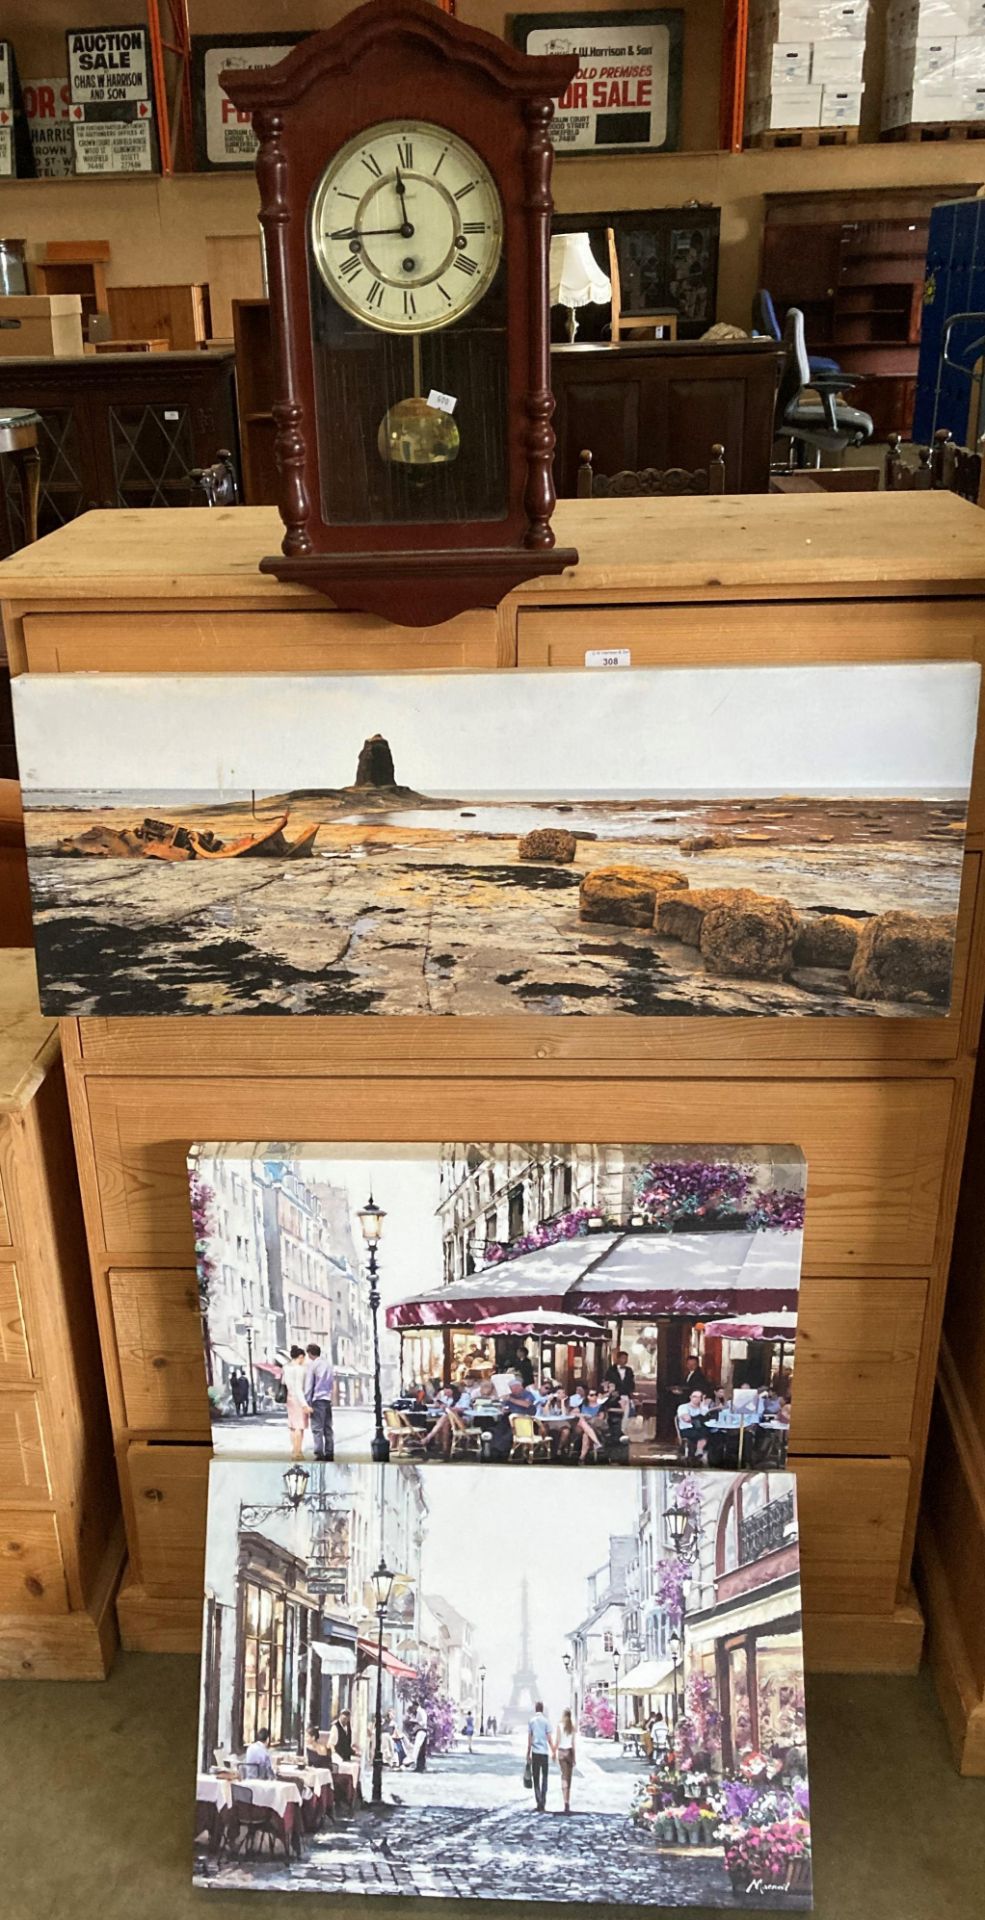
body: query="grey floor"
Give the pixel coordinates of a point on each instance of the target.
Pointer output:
(95, 1787)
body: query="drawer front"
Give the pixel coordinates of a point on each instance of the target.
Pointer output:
(168, 1498)
(15, 1358)
(858, 1349)
(158, 1329)
(32, 1578)
(201, 642)
(23, 1468)
(857, 1353)
(852, 1516)
(804, 632)
(851, 1526)
(875, 1148)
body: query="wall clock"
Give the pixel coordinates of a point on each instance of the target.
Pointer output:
(404, 171)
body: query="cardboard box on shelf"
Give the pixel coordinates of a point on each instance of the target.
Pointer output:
(47, 325)
(837, 63)
(789, 106)
(841, 106)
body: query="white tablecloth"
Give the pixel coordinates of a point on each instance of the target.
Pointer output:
(220, 1792)
(277, 1794)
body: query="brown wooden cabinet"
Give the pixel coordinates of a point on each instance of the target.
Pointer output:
(855, 264)
(61, 1545)
(118, 430)
(879, 1106)
(664, 404)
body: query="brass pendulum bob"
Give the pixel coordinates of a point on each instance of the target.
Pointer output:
(414, 434)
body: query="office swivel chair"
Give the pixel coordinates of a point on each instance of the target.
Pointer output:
(825, 424)
(764, 321)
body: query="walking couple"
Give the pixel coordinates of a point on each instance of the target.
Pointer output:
(307, 1381)
(542, 1746)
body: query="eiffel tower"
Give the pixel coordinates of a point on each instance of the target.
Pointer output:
(525, 1691)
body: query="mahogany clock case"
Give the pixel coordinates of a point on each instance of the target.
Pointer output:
(384, 63)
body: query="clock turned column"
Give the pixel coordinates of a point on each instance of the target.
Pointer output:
(539, 495)
(288, 413)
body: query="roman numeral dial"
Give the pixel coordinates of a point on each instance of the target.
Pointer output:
(389, 233)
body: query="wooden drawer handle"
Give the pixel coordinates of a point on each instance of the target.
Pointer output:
(153, 1493)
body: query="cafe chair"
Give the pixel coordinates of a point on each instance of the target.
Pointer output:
(824, 423)
(658, 483)
(528, 1442)
(405, 1440)
(255, 1824)
(465, 1440)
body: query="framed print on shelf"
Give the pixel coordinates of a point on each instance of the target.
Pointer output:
(626, 95)
(224, 135)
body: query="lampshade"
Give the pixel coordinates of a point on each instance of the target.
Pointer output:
(382, 1580)
(577, 279)
(296, 1484)
(371, 1218)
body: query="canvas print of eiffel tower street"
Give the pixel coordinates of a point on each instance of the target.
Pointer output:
(415, 1684)
(490, 1303)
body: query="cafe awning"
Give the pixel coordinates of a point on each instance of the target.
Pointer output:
(617, 1275)
(368, 1652)
(651, 1676)
(541, 1278)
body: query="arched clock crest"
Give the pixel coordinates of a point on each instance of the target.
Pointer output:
(404, 172)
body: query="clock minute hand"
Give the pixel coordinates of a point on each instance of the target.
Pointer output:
(370, 233)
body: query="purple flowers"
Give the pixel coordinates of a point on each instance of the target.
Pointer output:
(674, 1193)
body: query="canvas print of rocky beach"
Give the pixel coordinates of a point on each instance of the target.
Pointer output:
(645, 841)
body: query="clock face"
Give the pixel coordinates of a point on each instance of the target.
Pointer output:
(407, 227)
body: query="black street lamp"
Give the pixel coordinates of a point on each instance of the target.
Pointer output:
(382, 1581)
(247, 1324)
(677, 1655)
(371, 1218)
(482, 1699)
(616, 1657)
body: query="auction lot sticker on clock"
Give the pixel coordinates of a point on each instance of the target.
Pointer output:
(626, 94)
(108, 64)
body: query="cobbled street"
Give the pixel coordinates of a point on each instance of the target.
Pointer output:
(467, 1827)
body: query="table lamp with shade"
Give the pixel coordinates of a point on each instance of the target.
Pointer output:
(577, 279)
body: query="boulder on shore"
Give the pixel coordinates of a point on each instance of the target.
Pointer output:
(554, 844)
(825, 940)
(904, 956)
(750, 939)
(625, 896)
(704, 842)
(680, 916)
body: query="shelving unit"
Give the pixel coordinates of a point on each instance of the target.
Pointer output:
(855, 265)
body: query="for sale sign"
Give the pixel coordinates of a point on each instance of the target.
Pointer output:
(224, 136)
(108, 64)
(47, 112)
(626, 95)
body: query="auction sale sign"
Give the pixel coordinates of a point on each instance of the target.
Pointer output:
(108, 65)
(626, 95)
(224, 137)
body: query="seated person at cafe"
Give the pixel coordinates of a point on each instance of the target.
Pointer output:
(257, 1764)
(459, 1401)
(690, 1422)
(590, 1421)
(317, 1751)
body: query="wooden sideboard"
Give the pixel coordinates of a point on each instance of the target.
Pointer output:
(637, 404)
(61, 1545)
(664, 404)
(879, 1106)
(118, 430)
